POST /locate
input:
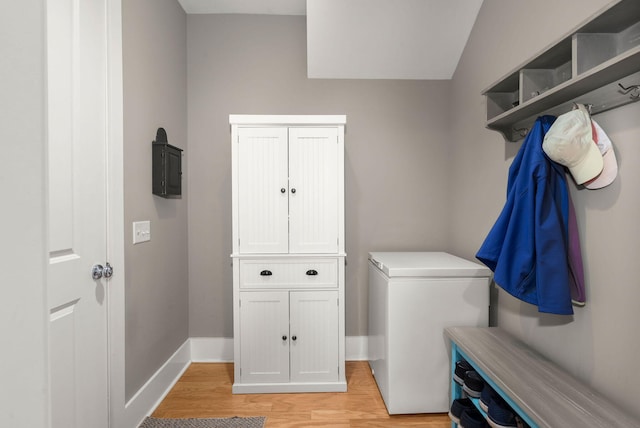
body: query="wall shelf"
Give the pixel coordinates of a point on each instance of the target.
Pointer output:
(586, 66)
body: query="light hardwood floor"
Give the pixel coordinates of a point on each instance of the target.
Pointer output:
(204, 391)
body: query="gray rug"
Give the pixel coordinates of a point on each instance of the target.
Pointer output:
(235, 422)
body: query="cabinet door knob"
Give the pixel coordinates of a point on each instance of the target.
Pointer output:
(294, 337)
(284, 337)
(283, 190)
(293, 190)
(312, 272)
(266, 273)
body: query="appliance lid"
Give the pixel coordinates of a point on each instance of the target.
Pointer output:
(426, 264)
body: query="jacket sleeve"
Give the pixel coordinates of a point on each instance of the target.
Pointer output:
(552, 264)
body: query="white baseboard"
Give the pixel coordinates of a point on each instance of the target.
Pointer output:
(357, 348)
(144, 402)
(220, 349)
(201, 350)
(211, 349)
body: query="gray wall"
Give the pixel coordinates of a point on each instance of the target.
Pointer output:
(24, 317)
(600, 342)
(397, 134)
(156, 272)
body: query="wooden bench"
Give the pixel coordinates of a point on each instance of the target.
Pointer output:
(542, 393)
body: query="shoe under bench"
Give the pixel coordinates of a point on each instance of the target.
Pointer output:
(543, 394)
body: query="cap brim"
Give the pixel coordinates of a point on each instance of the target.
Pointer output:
(610, 163)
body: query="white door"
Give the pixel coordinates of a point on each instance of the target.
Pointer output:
(262, 190)
(264, 336)
(314, 336)
(77, 102)
(313, 201)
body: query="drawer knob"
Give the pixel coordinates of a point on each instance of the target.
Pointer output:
(266, 273)
(312, 272)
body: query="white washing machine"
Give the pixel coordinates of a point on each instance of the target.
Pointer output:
(413, 296)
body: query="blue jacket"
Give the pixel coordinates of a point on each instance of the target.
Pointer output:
(527, 247)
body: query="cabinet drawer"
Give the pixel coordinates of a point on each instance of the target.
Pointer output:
(307, 273)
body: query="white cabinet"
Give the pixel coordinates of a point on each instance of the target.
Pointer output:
(288, 253)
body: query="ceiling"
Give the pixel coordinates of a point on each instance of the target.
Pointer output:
(370, 39)
(260, 7)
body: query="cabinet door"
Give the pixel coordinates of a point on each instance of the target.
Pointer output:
(262, 190)
(314, 325)
(313, 196)
(264, 336)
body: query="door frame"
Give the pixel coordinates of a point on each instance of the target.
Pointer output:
(115, 215)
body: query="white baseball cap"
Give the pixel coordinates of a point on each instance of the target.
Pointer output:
(569, 142)
(610, 168)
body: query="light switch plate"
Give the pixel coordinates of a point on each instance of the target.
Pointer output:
(141, 231)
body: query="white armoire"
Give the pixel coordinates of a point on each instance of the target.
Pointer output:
(288, 253)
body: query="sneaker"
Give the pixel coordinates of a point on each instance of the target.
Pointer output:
(473, 384)
(500, 414)
(458, 407)
(462, 367)
(486, 396)
(472, 419)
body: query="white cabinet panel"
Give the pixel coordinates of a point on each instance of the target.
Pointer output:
(313, 178)
(314, 336)
(263, 190)
(264, 336)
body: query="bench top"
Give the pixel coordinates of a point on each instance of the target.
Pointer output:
(547, 394)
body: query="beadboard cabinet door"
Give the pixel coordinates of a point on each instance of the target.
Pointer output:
(263, 200)
(313, 317)
(264, 336)
(313, 178)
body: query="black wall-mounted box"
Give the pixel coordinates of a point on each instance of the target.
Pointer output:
(167, 167)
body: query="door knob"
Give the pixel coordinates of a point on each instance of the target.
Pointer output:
(284, 337)
(108, 271)
(293, 190)
(294, 337)
(96, 271)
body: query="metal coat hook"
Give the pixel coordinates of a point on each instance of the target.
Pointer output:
(634, 90)
(521, 131)
(589, 107)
